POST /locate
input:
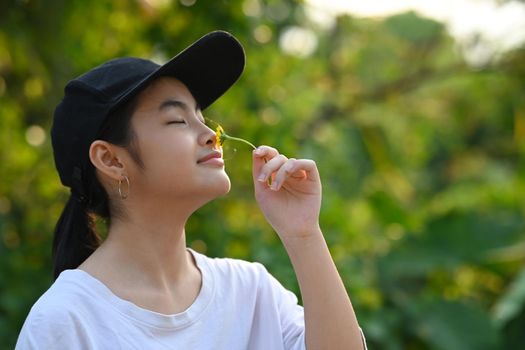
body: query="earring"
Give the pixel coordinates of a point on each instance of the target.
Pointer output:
(123, 195)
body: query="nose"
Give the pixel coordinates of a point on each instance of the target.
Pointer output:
(208, 137)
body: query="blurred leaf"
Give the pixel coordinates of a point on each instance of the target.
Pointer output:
(455, 326)
(453, 239)
(512, 302)
(412, 27)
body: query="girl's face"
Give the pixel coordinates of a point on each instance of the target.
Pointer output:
(182, 160)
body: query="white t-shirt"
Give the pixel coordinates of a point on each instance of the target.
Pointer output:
(240, 306)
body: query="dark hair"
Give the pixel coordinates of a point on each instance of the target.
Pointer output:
(76, 237)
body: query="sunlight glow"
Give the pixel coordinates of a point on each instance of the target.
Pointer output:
(495, 27)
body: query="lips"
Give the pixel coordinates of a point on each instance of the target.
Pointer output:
(210, 156)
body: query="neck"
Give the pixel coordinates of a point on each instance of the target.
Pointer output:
(148, 246)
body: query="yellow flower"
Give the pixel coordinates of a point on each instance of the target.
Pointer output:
(221, 136)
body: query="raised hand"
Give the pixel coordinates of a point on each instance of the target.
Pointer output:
(293, 201)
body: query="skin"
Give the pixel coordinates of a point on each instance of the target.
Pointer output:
(144, 258)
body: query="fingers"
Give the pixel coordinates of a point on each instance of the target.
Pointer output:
(266, 152)
(260, 156)
(297, 169)
(271, 167)
(285, 171)
(281, 168)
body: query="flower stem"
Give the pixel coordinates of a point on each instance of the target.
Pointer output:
(228, 137)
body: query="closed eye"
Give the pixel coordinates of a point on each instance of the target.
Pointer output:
(176, 122)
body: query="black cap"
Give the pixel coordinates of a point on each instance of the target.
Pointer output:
(208, 67)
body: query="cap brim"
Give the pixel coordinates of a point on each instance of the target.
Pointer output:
(208, 67)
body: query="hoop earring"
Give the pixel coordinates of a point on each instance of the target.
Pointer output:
(123, 195)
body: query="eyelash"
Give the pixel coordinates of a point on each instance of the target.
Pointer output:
(182, 122)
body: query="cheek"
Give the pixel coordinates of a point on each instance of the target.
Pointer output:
(168, 161)
(166, 156)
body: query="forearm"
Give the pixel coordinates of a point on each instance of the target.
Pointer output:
(330, 322)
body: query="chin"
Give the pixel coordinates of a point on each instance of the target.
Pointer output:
(215, 186)
(224, 186)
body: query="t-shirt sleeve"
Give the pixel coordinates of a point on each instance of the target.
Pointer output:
(292, 316)
(290, 313)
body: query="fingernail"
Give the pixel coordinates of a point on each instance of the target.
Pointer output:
(275, 185)
(261, 177)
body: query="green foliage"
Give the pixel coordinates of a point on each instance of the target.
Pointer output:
(420, 155)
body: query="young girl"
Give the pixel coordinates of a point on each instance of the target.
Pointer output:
(130, 141)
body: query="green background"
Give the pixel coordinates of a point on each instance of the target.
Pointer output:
(421, 156)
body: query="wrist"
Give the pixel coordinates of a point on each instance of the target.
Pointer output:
(299, 241)
(306, 250)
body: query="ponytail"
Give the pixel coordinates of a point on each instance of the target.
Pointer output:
(75, 237)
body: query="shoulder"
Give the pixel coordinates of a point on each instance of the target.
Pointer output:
(56, 316)
(231, 265)
(60, 299)
(70, 288)
(234, 270)
(252, 277)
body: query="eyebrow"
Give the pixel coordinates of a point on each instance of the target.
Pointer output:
(176, 104)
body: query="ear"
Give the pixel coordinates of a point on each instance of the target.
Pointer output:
(108, 159)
